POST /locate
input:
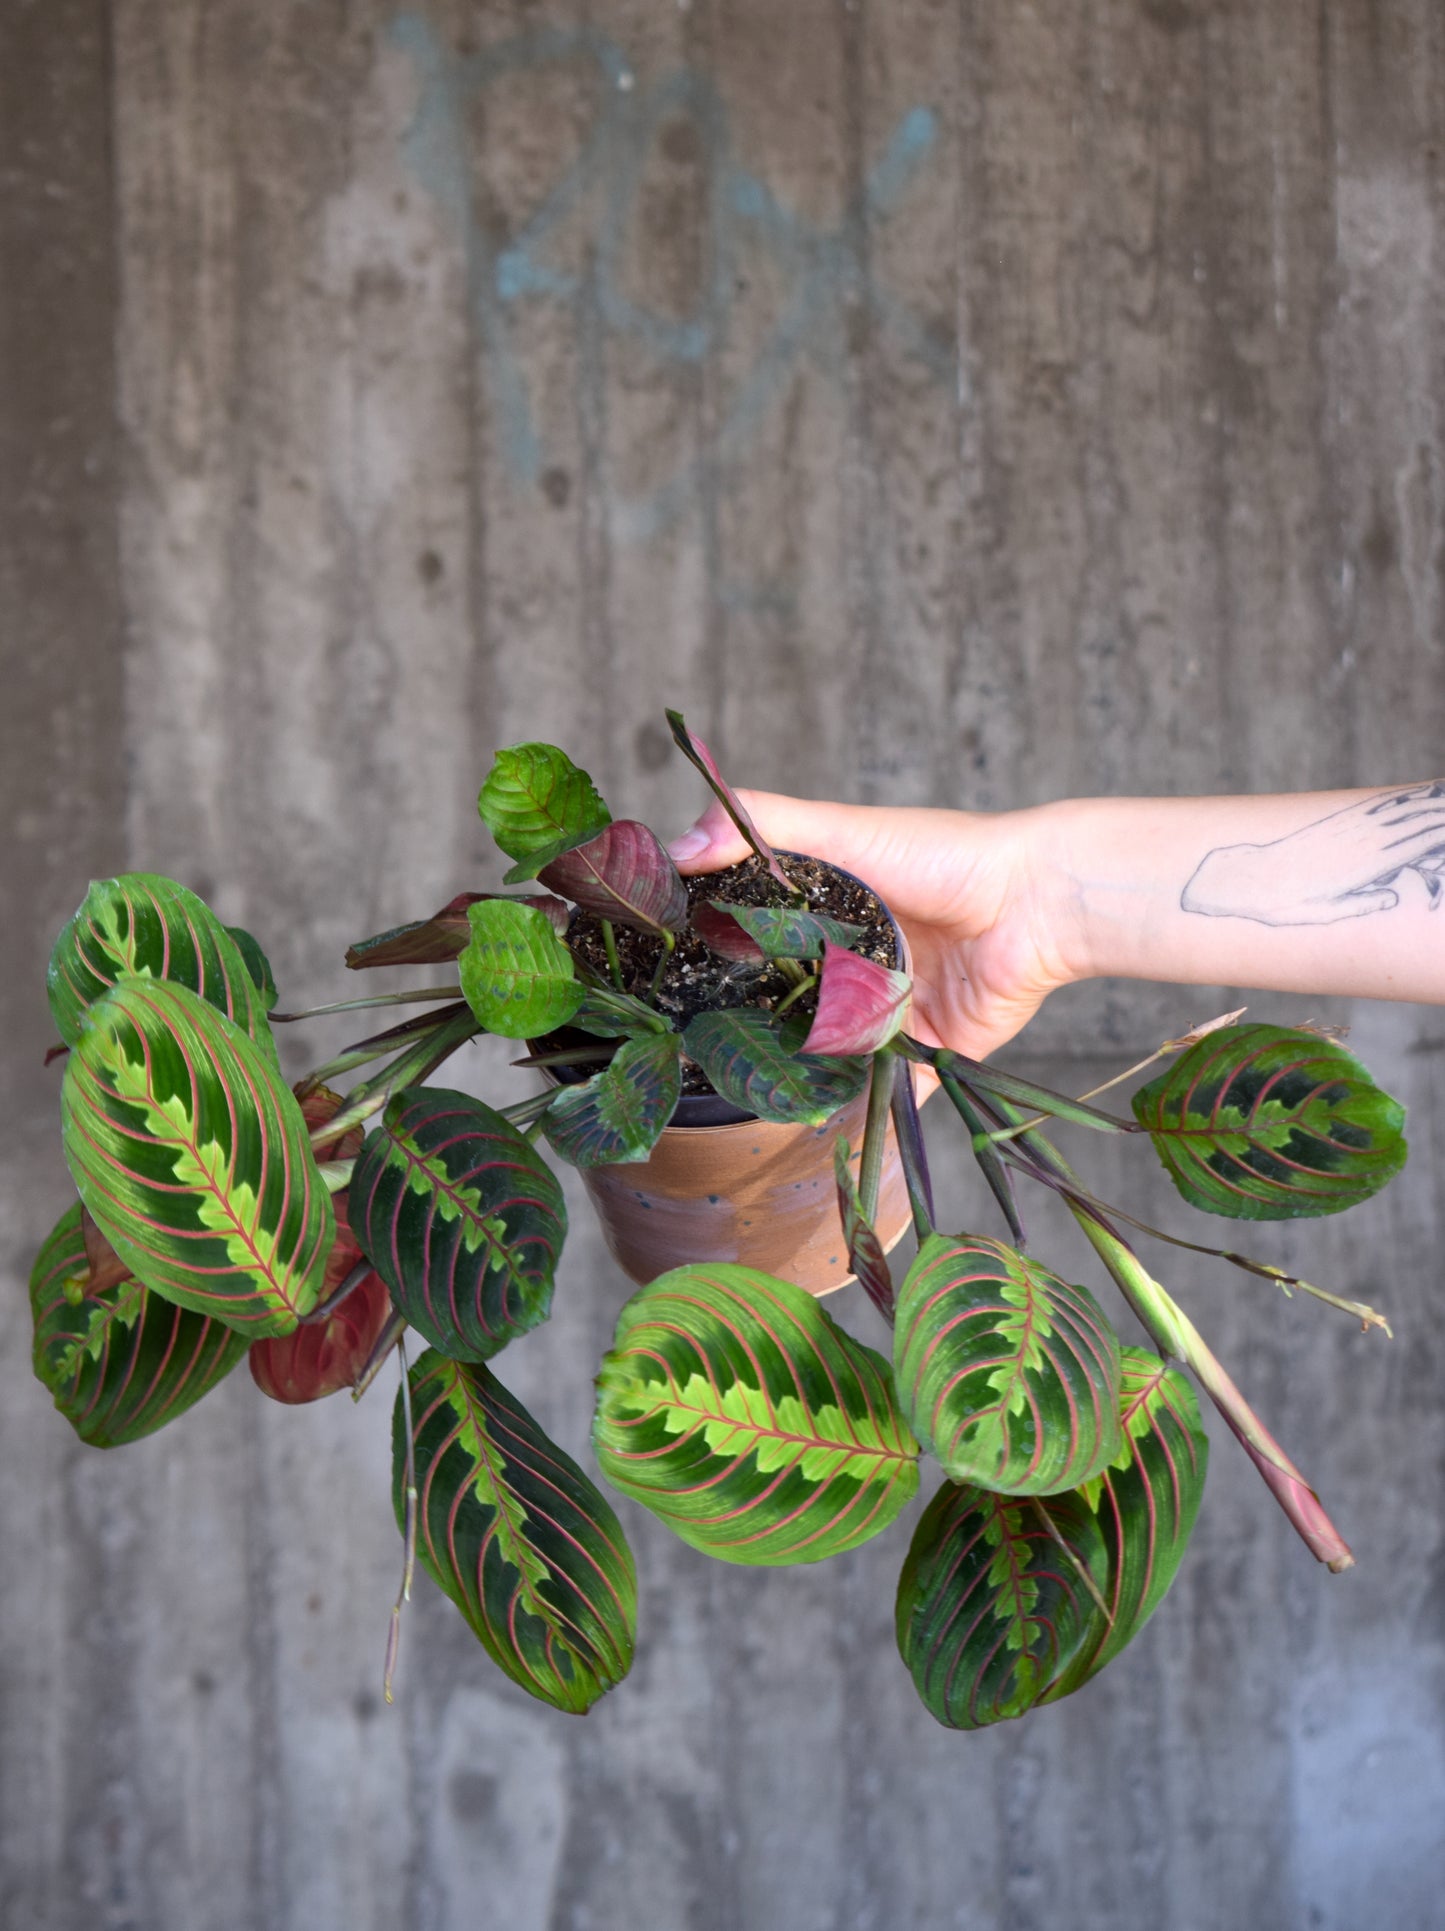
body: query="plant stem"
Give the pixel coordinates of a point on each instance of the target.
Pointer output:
(992, 1166)
(527, 1112)
(803, 985)
(388, 1339)
(323, 1310)
(614, 964)
(335, 1174)
(875, 1133)
(413, 998)
(912, 1153)
(669, 945)
(408, 1561)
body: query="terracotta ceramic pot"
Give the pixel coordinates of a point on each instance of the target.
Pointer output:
(721, 1185)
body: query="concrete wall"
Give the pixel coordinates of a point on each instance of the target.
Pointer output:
(962, 401)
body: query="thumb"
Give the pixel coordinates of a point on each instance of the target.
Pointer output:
(843, 833)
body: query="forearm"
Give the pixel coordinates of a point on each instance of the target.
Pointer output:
(1336, 892)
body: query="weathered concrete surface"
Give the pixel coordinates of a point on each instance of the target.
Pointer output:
(966, 403)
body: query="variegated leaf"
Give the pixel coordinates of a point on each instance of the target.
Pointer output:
(1272, 1123)
(623, 874)
(992, 1604)
(775, 931)
(742, 1415)
(194, 1158)
(119, 1361)
(148, 927)
(514, 1532)
(749, 1059)
(1008, 1373)
(537, 804)
(618, 1115)
(461, 1218)
(1146, 1501)
(516, 973)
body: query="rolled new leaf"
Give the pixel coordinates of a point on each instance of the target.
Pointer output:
(861, 1004)
(444, 935)
(195, 1160)
(537, 804)
(1146, 1502)
(622, 874)
(119, 1361)
(144, 926)
(743, 1416)
(461, 1218)
(992, 1601)
(1008, 1373)
(516, 973)
(512, 1530)
(618, 1114)
(747, 1057)
(1272, 1123)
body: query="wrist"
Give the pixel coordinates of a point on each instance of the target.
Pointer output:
(1055, 863)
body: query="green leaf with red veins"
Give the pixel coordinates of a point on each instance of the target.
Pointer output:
(445, 934)
(745, 1054)
(785, 931)
(461, 1217)
(119, 1361)
(1146, 1501)
(992, 1607)
(1008, 1373)
(697, 753)
(622, 874)
(195, 1160)
(537, 804)
(1272, 1123)
(865, 1251)
(516, 974)
(861, 1004)
(512, 1530)
(257, 964)
(618, 1115)
(322, 1357)
(748, 1421)
(146, 927)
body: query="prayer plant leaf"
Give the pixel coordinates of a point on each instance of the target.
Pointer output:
(617, 1015)
(1272, 1123)
(516, 973)
(512, 1530)
(697, 753)
(745, 1054)
(462, 1219)
(1008, 1373)
(119, 1361)
(195, 1159)
(445, 934)
(143, 926)
(713, 922)
(780, 931)
(257, 964)
(328, 1350)
(619, 1113)
(622, 874)
(992, 1604)
(1146, 1501)
(537, 804)
(861, 1004)
(743, 1416)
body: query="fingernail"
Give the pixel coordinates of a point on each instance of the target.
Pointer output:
(688, 845)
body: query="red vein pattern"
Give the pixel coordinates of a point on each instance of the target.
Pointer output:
(1009, 1374)
(743, 1055)
(514, 1532)
(743, 1416)
(194, 1159)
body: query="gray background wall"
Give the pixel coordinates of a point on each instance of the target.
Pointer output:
(972, 403)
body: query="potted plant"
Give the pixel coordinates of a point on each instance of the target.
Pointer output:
(755, 1019)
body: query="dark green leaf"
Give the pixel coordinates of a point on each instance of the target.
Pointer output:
(622, 874)
(514, 1532)
(736, 1409)
(1009, 1374)
(991, 1608)
(195, 1159)
(1272, 1123)
(150, 927)
(257, 964)
(537, 804)
(119, 1360)
(516, 973)
(784, 931)
(618, 1115)
(1146, 1501)
(745, 1056)
(461, 1218)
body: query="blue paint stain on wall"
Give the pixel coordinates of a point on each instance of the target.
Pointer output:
(824, 269)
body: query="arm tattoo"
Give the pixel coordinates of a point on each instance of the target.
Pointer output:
(1355, 861)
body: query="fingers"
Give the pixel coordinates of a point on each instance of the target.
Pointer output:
(844, 834)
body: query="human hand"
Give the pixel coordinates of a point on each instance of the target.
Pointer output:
(971, 891)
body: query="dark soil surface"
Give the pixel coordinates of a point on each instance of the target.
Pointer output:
(697, 980)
